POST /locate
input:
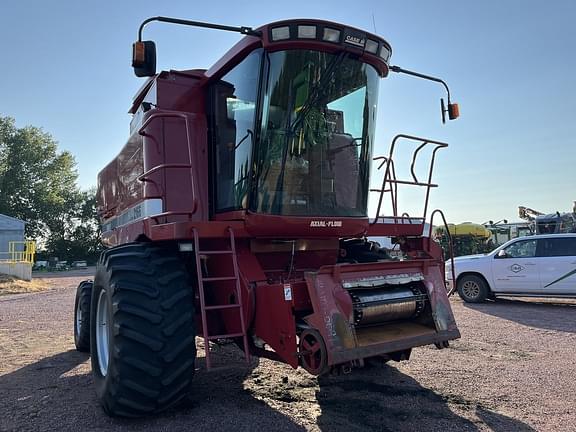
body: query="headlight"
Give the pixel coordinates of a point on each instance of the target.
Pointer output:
(372, 46)
(307, 32)
(385, 53)
(280, 33)
(331, 35)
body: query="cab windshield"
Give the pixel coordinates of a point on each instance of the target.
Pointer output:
(316, 135)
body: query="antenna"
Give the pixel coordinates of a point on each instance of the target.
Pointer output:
(374, 23)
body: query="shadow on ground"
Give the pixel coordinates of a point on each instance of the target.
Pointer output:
(52, 394)
(560, 316)
(56, 393)
(500, 423)
(384, 399)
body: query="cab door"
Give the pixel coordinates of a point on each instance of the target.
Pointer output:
(515, 268)
(232, 108)
(557, 257)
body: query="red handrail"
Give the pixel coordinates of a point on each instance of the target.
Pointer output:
(143, 177)
(450, 246)
(393, 182)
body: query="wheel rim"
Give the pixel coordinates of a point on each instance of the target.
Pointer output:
(471, 289)
(102, 333)
(78, 318)
(314, 355)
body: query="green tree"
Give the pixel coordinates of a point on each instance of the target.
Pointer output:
(38, 185)
(79, 235)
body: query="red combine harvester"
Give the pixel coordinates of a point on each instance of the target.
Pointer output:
(238, 211)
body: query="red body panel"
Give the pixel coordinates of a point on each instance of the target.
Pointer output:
(275, 323)
(334, 317)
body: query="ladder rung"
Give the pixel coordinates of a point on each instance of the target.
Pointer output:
(225, 306)
(224, 336)
(214, 279)
(200, 254)
(215, 252)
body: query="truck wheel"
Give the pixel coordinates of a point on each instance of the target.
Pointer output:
(472, 289)
(82, 316)
(142, 330)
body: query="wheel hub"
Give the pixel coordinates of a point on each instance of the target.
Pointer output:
(102, 333)
(313, 352)
(78, 318)
(470, 289)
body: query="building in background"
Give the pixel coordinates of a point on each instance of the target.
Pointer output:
(16, 254)
(11, 230)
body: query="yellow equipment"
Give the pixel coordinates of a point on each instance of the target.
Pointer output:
(466, 229)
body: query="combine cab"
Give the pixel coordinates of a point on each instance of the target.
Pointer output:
(237, 211)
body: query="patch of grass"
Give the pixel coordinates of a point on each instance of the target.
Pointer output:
(12, 285)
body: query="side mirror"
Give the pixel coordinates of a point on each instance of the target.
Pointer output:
(144, 58)
(502, 254)
(453, 110)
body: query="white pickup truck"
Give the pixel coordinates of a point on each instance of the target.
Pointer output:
(535, 266)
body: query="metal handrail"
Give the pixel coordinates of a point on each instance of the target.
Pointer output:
(143, 177)
(390, 174)
(152, 170)
(393, 192)
(450, 246)
(24, 256)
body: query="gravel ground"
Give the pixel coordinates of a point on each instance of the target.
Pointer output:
(513, 370)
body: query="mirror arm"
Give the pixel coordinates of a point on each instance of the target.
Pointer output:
(398, 69)
(244, 30)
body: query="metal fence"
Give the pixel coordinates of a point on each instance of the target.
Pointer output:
(19, 252)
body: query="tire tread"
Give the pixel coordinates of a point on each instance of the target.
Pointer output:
(83, 296)
(152, 359)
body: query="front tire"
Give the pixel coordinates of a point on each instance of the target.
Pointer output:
(142, 330)
(472, 289)
(82, 316)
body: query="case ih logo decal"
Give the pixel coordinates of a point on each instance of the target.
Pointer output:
(355, 40)
(516, 268)
(325, 224)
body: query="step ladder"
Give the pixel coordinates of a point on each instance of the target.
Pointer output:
(231, 252)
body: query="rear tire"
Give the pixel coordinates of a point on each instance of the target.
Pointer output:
(82, 316)
(142, 330)
(472, 289)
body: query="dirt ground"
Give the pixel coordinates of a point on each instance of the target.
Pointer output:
(513, 370)
(12, 285)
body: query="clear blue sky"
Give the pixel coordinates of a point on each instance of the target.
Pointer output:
(65, 67)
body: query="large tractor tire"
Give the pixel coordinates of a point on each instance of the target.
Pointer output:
(142, 330)
(82, 316)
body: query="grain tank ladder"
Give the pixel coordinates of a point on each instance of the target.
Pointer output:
(237, 305)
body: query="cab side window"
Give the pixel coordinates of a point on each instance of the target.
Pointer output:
(233, 115)
(521, 249)
(554, 247)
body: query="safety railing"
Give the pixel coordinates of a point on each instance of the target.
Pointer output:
(145, 177)
(19, 252)
(390, 182)
(450, 247)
